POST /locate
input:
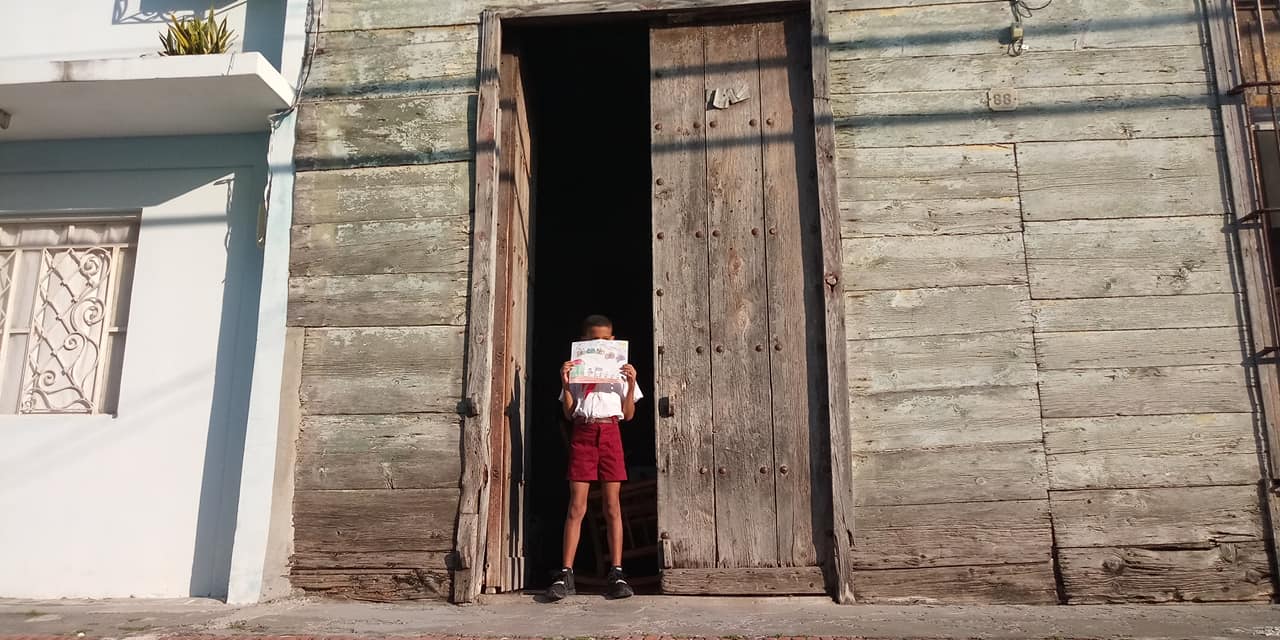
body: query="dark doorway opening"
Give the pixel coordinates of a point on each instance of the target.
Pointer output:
(588, 100)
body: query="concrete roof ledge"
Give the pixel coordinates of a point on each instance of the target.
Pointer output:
(144, 96)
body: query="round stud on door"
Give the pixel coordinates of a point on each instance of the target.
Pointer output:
(764, 469)
(661, 235)
(658, 292)
(722, 471)
(703, 471)
(658, 126)
(719, 348)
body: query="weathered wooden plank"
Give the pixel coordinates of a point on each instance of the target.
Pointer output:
(1139, 348)
(1147, 256)
(797, 383)
(1152, 451)
(686, 495)
(968, 416)
(941, 362)
(933, 261)
(393, 62)
(1148, 312)
(948, 29)
(1164, 516)
(935, 312)
(744, 581)
(337, 561)
(950, 474)
(431, 245)
(471, 532)
(382, 370)
(1120, 179)
(928, 173)
(841, 513)
(382, 193)
(928, 190)
(404, 451)
(1067, 68)
(386, 14)
(1224, 573)
(929, 217)
(1144, 391)
(363, 133)
(378, 300)
(991, 584)
(739, 313)
(429, 582)
(378, 520)
(942, 535)
(931, 118)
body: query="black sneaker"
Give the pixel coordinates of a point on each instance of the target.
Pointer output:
(618, 587)
(562, 587)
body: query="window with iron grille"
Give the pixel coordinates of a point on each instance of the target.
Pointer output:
(64, 301)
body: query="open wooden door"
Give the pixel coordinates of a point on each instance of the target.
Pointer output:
(738, 309)
(504, 554)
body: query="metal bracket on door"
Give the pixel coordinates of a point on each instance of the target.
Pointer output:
(667, 406)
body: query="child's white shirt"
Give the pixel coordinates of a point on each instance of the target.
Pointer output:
(603, 401)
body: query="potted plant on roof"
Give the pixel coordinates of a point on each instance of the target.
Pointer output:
(193, 35)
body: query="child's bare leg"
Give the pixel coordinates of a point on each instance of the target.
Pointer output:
(573, 519)
(613, 516)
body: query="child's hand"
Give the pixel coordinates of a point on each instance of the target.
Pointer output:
(564, 373)
(629, 372)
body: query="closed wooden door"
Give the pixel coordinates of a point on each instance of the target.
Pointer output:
(737, 308)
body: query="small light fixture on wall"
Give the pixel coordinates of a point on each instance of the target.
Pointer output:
(1021, 9)
(4, 119)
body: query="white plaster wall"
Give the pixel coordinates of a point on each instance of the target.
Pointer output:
(91, 29)
(143, 504)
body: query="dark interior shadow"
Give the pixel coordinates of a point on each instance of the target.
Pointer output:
(228, 419)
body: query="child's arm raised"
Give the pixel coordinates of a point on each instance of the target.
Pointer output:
(566, 395)
(629, 397)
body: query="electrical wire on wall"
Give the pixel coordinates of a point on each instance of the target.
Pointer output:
(1022, 9)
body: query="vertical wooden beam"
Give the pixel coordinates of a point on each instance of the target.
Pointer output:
(833, 303)
(1246, 195)
(470, 536)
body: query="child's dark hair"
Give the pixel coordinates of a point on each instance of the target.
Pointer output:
(595, 320)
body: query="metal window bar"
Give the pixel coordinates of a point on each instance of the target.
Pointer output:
(43, 358)
(1258, 83)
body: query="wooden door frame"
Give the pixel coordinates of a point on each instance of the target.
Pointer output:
(471, 534)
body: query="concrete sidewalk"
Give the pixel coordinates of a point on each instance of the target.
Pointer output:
(593, 616)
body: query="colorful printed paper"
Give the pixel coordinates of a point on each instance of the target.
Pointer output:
(597, 361)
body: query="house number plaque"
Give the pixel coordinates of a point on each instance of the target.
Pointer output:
(1002, 99)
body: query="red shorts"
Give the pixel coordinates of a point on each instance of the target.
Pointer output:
(595, 452)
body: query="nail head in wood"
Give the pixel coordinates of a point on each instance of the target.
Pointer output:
(773, 231)
(722, 471)
(777, 346)
(715, 233)
(661, 235)
(697, 125)
(752, 122)
(661, 350)
(755, 231)
(759, 347)
(703, 471)
(712, 124)
(697, 234)
(660, 181)
(699, 349)
(658, 292)
(832, 280)
(764, 469)
(665, 535)
(719, 348)
(783, 469)
(658, 126)
(769, 121)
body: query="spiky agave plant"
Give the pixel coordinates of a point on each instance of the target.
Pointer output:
(194, 36)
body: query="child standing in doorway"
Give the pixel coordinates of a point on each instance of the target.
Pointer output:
(595, 454)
